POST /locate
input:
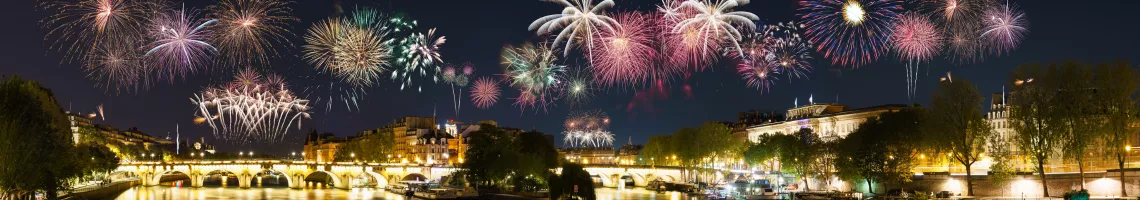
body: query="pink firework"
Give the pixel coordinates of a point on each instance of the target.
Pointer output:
(485, 92)
(1004, 28)
(757, 72)
(687, 50)
(180, 46)
(624, 56)
(916, 38)
(468, 69)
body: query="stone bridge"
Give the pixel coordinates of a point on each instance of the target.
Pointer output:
(345, 175)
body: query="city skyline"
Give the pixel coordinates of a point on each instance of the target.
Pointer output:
(1057, 32)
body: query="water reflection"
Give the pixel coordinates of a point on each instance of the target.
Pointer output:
(166, 192)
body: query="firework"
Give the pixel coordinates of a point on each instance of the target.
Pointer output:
(457, 79)
(579, 87)
(684, 51)
(578, 21)
(713, 21)
(247, 29)
(1004, 28)
(588, 129)
(785, 48)
(485, 92)
(335, 92)
(84, 26)
(961, 21)
(757, 72)
(532, 69)
(625, 56)
(421, 56)
(116, 67)
(850, 32)
(353, 52)
(915, 38)
(252, 108)
(180, 46)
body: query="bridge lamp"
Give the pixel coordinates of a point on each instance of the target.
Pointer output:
(250, 153)
(241, 153)
(353, 155)
(293, 153)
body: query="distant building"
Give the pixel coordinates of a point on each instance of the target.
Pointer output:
(830, 121)
(321, 147)
(83, 130)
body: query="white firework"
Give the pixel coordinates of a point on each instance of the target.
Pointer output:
(588, 129)
(252, 108)
(714, 20)
(578, 21)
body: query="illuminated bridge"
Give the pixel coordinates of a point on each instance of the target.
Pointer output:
(345, 175)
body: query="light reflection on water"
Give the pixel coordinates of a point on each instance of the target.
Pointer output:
(166, 192)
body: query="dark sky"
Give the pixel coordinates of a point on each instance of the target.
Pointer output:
(476, 31)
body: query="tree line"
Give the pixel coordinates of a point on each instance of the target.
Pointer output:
(1080, 112)
(37, 151)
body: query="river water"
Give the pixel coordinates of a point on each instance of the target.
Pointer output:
(231, 193)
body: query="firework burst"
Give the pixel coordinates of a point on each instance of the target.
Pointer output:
(785, 49)
(625, 56)
(915, 38)
(357, 53)
(961, 21)
(457, 78)
(578, 21)
(421, 58)
(532, 69)
(588, 129)
(757, 72)
(248, 29)
(84, 26)
(180, 46)
(485, 92)
(1004, 28)
(252, 108)
(850, 32)
(579, 87)
(713, 21)
(116, 67)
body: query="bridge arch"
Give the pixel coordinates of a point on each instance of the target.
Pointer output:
(638, 179)
(381, 182)
(268, 172)
(414, 177)
(156, 178)
(332, 177)
(225, 179)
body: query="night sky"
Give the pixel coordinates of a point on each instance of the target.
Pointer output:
(476, 31)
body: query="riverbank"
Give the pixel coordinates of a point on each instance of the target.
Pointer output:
(106, 191)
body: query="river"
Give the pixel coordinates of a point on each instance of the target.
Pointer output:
(231, 193)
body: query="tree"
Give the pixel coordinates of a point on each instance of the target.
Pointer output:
(798, 152)
(956, 125)
(498, 158)
(658, 149)
(370, 148)
(881, 149)
(36, 147)
(1039, 130)
(705, 145)
(1116, 88)
(761, 152)
(1081, 124)
(574, 182)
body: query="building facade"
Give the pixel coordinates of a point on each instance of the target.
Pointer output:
(830, 121)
